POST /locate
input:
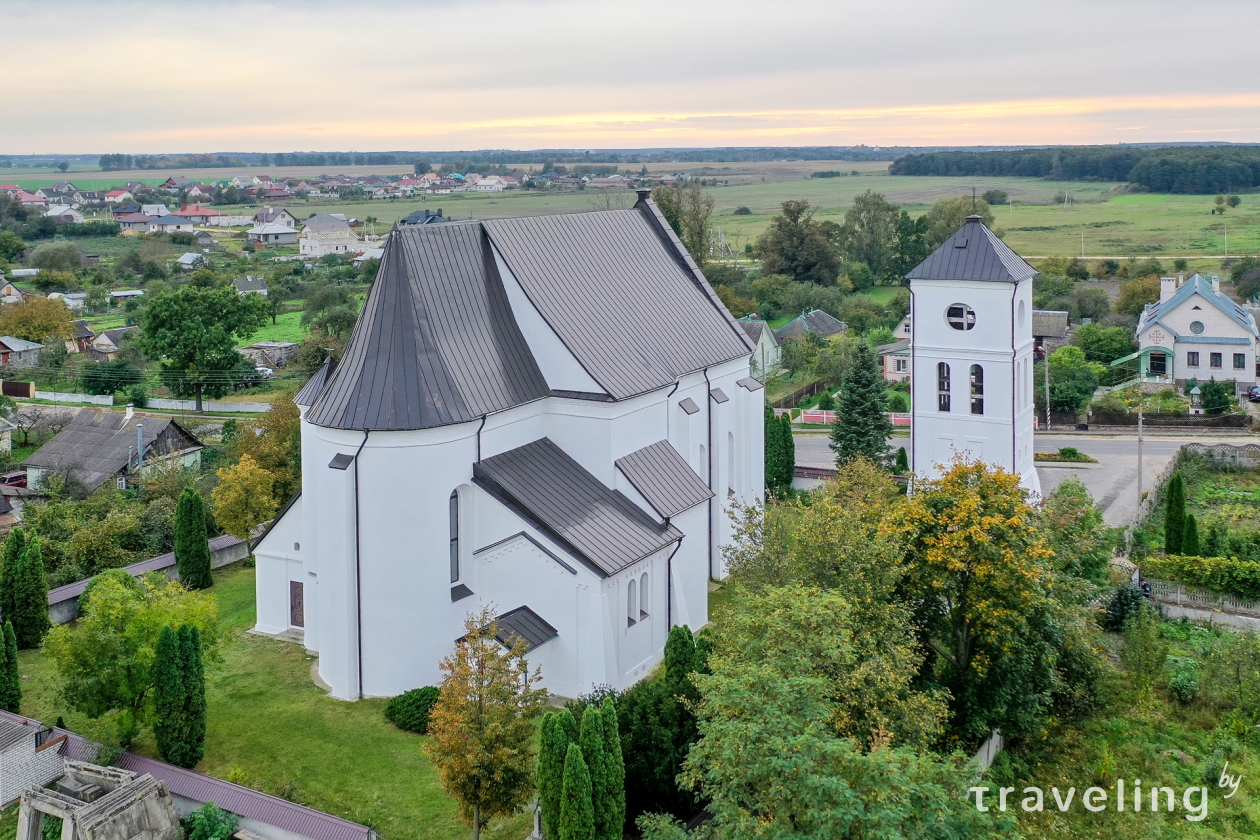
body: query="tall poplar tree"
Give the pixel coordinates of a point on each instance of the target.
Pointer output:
(194, 694)
(30, 608)
(192, 549)
(616, 765)
(553, 747)
(170, 727)
(577, 817)
(8, 572)
(1174, 515)
(591, 740)
(10, 680)
(861, 428)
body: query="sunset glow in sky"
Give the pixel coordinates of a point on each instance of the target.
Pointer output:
(192, 76)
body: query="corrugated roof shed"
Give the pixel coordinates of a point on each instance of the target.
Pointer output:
(546, 486)
(12, 732)
(667, 481)
(973, 253)
(1048, 323)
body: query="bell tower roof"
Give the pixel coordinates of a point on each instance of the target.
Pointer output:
(973, 253)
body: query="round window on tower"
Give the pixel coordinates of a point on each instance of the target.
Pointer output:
(960, 316)
(1196, 327)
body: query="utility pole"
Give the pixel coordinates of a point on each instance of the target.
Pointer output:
(1226, 243)
(1139, 455)
(1046, 353)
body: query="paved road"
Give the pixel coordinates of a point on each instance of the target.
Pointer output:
(1112, 481)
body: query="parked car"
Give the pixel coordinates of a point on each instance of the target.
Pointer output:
(1253, 393)
(13, 479)
(264, 372)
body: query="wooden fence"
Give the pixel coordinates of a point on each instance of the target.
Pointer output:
(812, 389)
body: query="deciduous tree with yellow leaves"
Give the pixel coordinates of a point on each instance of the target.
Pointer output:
(243, 499)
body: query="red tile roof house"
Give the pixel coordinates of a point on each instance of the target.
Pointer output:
(267, 816)
(198, 213)
(117, 196)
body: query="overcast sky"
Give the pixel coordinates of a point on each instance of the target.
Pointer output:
(193, 76)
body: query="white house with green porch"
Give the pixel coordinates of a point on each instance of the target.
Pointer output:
(1194, 332)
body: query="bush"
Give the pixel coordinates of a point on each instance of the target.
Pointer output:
(58, 256)
(138, 396)
(410, 710)
(1231, 575)
(211, 823)
(1184, 685)
(1123, 604)
(742, 211)
(898, 404)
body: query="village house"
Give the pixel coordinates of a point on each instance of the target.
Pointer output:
(767, 354)
(106, 344)
(81, 336)
(578, 403)
(101, 446)
(118, 197)
(175, 183)
(28, 759)
(272, 234)
(894, 360)
(136, 221)
(813, 321)
(10, 293)
(158, 210)
(199, 214)
(18, 352)
(250, 286)
(170, 224)
(63, 213)
(200, 192)
(276, 216)
(190, 261)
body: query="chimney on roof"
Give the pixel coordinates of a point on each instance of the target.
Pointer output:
(644, 194)
(139, 445)
(131, 410)
(1216, 283)
(1167, 288)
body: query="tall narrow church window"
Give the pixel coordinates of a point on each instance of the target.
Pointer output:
(643, 597)
(455, 537)
(960, 316)
(730, 463)
(942, 386)
(977, 389)
(632, 604)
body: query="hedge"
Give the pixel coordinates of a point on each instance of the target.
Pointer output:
(1222, 574)
(410, 710)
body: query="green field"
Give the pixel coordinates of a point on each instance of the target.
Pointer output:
(288, 327)
(271, 724)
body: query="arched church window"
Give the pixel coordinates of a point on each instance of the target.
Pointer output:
(960, 316)
(942, 386)
(454, 506)
(977, 389)
(643, 596)
(632, 604)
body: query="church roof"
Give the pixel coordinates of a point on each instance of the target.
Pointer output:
(437, 343)
(309, 392)
(552, 491)
(526, 624)
(668, 482)
(973, 253)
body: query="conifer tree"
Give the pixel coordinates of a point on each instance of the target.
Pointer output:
(591, 740)
(169, 692)
(577, 817)
(30, 608)
(552, 750)
(773, 447)
(903, 462)
(11, 683)
(569, 724)
(616, 765)
(8, 572)
(788, 463)
(1174, 515)
(1190, 537)
(194, 694)
(861, 428)
(192, 549)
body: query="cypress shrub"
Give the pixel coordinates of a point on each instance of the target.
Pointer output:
(8, 572)
(774, 450)
(553, 748)
(192, 550)
(616, 765)
(1174, 515)
(788, 464)
(569, 722)
(169, 691)
(410, 710)
(1216, 542)
(1190, 537)
(591, 740)
(903, 461)
(194, 694)
(30, 608)
(12, 687)
(1123, 604)
(577, 818)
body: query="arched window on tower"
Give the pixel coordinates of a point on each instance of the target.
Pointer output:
(730, 463)
(977, 389)
(643, 596)
(454, 505)
(632, 604)
(942, 386)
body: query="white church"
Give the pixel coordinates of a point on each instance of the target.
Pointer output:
(972, 356)
(551, 415)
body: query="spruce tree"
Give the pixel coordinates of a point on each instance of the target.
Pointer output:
(903, 462)
(194, 694)
(30, 608)
(192, 549)
(8, 572)
(552, 749)
(12, 684)
(591, 740)
(861, 428)
(169, 693)
(1174, 515)
(1190, 537)
(616, 765)
(577, 817)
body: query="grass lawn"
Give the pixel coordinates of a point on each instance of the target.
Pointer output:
(881, 294)
(271, 724)
(288, 327)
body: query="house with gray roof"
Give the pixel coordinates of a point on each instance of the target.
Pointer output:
(18, 352)
(767, 355)
(812, 321)
(552, 415)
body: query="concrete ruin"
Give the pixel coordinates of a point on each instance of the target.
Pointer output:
(101, 803)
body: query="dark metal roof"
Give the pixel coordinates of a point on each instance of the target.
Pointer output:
(12, 732)
(973, 253)
(748, 383)
(688, 405)
(249, 284)
(97, 444)
(526, 624)
(424, 217)
(435, 344)
(309, 392)
(753, 328)
(459, 592)
(815, 321)
(555, 493)
(667, 481)
(620, 296)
